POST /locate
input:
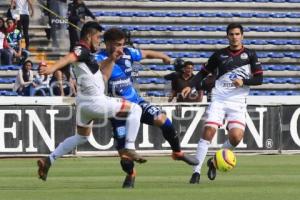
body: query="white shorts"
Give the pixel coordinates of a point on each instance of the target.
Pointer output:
(233, 112)
(99, 107)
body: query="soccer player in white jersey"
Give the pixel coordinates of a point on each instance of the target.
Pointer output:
(235, 68)
(90, 100)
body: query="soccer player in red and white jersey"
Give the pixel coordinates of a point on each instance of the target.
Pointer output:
(236, 68)
(90, 100)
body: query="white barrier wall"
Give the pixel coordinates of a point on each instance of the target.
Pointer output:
(30, 125)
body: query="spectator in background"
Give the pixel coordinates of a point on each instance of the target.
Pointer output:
(62, 83)
(183, 80)
(42, 84)
(24, 8)
(77, 11)
(24, 79)
(5, 55)
(14, 37)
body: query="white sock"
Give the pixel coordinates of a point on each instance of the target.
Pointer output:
(132, 125)
(201, 154)
(227, 145)
(67, 145)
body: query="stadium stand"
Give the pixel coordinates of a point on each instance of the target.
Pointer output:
(192, 30)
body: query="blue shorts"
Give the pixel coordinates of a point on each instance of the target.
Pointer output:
(149, 113)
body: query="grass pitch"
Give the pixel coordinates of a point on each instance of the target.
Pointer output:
(274, 177)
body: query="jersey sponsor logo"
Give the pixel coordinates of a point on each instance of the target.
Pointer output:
(126, 56)
(77, 51)
(244, 56)
(224, 56)
(127, 63)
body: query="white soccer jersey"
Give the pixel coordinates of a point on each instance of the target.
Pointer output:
(228, 66)
(86, 70)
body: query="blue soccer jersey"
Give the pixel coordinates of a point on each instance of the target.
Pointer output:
(120, 82)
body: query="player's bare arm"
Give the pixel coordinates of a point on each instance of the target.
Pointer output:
(106, 66)
(64, 61)
(238, 82)
(155, 54)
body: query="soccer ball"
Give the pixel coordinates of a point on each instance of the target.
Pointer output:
(224, 160)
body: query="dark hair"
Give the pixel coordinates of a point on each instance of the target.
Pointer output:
(25, 74)
(114, 34)
(90, 27)
(186, 63)
(2, 29)
(234, 25)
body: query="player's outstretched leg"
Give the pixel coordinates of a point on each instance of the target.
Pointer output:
(44, 165)
(191, 160)
(195, 179)
(170, 135)
(212, 172)
(132, 155)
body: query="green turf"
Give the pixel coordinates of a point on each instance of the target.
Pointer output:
(275, 177)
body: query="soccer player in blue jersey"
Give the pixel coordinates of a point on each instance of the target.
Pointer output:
(120, 84)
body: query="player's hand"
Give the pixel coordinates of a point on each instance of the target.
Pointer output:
(45, 70)
(238, 82)
(166, 60)
(186, 91)
(117, 53)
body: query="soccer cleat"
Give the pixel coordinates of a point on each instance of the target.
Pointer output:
(129, 180)
(212, 172)
(44, 164)
(131, 154)
(191, 160)
(195, 178)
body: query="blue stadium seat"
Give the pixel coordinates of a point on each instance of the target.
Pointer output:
(257, 93)
(293, 55)
(292, 80)
(293, 29)
(277, 42)
(278, 29)
(293, 15)
(293, 42)
(175, 14)
(157, 14)
(278, 15)
(262, 55)
(206, 14)
(276, 55)
(156, 93)
(127, 14)
(158, 28)
(242, 15)
(224, 15)
(261, 15)
(192, 14)
(192, 28)
(142, 14)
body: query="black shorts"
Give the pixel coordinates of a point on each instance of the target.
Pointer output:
(149, 113)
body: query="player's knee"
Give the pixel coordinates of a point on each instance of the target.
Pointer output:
(236, 133)
(127, 165)
(81, 138)
(209, 131)
(161, 120)
(136, 109)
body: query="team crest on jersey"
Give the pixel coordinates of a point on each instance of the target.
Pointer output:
(77, 51)
(244, 56)
(127, 63)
